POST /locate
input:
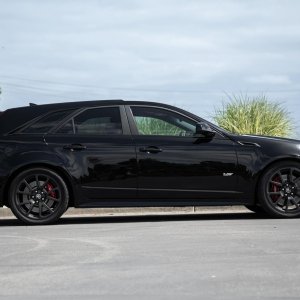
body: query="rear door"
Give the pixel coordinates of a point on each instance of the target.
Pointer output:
(173, 164)
(98, 151)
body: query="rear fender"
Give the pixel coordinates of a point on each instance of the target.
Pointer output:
(19, 162)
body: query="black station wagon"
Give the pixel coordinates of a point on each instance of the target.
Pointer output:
(117, 153)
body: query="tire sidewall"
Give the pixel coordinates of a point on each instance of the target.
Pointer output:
(63, 204)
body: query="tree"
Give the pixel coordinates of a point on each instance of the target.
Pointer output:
(254, 115)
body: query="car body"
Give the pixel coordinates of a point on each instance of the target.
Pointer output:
(115, 153)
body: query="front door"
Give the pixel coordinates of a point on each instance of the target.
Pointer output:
(174, 164)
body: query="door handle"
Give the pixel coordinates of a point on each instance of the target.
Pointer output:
(74, 147)
(150, 149)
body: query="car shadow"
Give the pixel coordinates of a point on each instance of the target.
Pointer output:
(69, 220)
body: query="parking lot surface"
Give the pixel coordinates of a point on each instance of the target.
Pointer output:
(207, 256)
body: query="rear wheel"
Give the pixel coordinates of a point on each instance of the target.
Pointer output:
(38, 196)
(279, 190)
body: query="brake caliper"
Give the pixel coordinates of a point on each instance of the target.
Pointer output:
(49, 188)
(275, 188)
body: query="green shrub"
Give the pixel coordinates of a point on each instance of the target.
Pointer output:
(153, 126)
(254, 115)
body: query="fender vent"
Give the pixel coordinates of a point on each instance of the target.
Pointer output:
(249, 144)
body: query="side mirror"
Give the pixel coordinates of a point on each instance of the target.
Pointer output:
(203, 130)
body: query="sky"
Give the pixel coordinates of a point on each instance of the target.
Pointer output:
(187, 53)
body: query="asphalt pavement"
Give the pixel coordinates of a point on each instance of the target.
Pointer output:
(195, 256)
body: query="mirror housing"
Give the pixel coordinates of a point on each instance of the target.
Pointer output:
(203, 130)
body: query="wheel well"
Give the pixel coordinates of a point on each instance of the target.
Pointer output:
(269, 166)
(58, 170)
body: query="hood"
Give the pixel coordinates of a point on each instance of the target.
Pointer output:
(261, 139)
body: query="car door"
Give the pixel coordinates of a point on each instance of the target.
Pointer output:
(97, 149)
(174, 164)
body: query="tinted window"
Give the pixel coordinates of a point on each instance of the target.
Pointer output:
(47, 122)
(67, 128)
(96, 121)
(156, 121)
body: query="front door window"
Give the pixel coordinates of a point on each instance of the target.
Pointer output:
(156, 121)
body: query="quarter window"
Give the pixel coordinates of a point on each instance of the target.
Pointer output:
(94, 121)
(44, 124)
(156, 121)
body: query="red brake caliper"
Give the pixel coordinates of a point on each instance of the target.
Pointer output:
(49, 188)
(275, 188)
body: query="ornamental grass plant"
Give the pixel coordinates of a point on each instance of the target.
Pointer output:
(243, 114)
(151, 126)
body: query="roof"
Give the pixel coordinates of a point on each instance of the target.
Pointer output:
(15, 117)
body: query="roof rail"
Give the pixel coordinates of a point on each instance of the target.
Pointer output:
(32, 104)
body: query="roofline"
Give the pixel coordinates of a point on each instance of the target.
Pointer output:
(78, 104)
(45, 108)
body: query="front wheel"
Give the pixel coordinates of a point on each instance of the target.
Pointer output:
(38, 196)
(279, 190)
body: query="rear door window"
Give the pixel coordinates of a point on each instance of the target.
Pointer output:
(94, 121)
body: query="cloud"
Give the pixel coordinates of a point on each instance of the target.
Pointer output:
(176, 51)
(270, 79)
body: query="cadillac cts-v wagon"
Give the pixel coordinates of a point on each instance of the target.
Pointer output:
(117, 153)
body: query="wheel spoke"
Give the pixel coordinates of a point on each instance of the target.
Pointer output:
(40, 209)
(287, 204)
(48, 208)
(23, 203)
(37, 181)
(30, 209)
(45, 183)
(277, 201)
(27, 184)
(53, 199)
(280, 175)
(297, 180)
(294, 202)
(53, 190)
(24, 193)
(274, 193)
(290, 175)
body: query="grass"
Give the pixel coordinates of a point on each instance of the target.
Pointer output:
(254, 115)
(151, 126)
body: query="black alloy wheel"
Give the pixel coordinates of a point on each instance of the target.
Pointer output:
(38, 196)
(279, 190)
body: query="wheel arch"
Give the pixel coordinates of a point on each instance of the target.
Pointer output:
(59, 170)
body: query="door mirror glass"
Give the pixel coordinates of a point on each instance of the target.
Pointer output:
(204, 130)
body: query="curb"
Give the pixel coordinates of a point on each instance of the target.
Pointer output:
(6, 213)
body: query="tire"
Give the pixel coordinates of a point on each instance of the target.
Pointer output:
(38, 196)
(256, 209)
(279, 190)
